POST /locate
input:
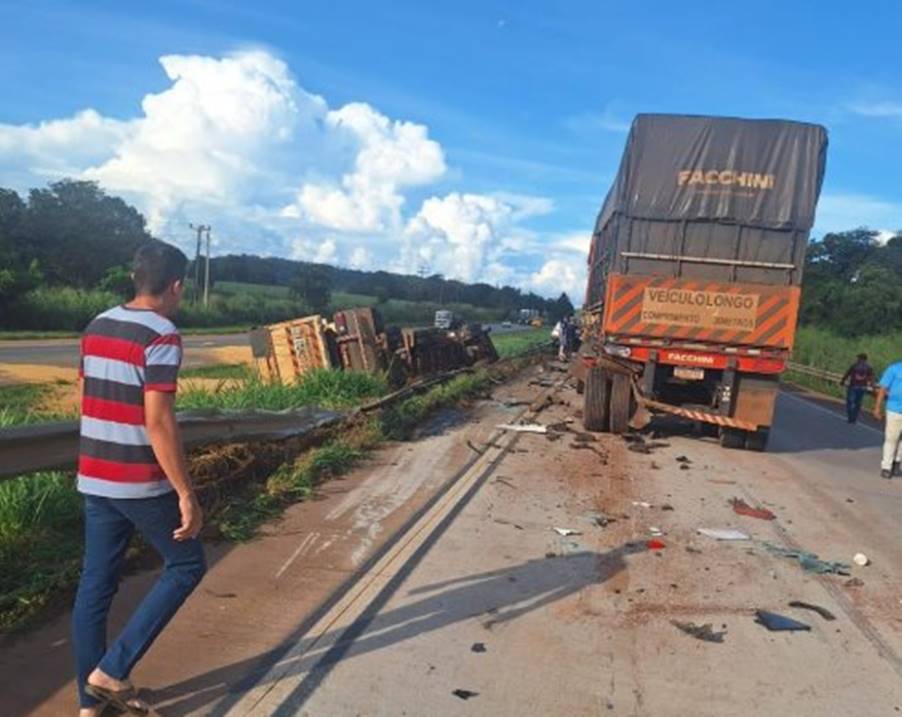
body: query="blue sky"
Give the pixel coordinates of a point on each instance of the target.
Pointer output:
(525, 103)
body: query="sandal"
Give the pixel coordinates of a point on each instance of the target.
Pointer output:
(120, 699)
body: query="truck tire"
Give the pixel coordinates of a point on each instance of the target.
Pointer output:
(732, 438)
(757, 440)
(596, 400)
(621, 399)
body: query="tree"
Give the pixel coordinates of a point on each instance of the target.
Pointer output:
(313, 285)
(77, 232)
(118, 280)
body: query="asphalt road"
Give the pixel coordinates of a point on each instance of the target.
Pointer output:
(64, 352)
(465, 600)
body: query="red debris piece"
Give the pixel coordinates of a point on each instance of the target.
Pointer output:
(655, 544)
(743, 508)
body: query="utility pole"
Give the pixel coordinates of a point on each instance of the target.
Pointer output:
(207, 272)
(200, 229)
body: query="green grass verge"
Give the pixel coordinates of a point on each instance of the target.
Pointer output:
(826, 350)
(223, 371)
(514, 343)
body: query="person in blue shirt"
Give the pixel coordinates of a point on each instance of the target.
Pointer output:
(890, 390)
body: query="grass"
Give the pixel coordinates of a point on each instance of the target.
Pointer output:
(514, 343)
(21, 404)
(322, 387)
(826, 350)
(223, 371)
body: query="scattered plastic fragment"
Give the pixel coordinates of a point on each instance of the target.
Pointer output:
(809, 561)
(774, 622)
(700, 632)
(524, 428)
(683, 459)
(854, 583)
(861, 559)
(723, 533)
(822, 611)
(641, 504)
(656, 532)
(667, 506)
(465, 694)
(655, 544)
(478, 647)
(566, 531)
(742, 508)
(600, 520)
(684, 466)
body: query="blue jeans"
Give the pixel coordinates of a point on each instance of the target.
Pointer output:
(854, 397)
(109, 526)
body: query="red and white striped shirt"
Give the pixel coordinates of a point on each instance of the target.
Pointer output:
(124, 353)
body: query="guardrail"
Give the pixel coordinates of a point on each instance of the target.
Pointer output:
(54, 446)
(815, 372)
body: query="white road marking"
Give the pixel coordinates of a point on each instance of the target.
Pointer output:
(308, 540)
(834, 414)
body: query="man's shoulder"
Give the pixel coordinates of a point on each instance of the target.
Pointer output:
(148, 324)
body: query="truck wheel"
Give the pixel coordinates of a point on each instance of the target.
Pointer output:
(621, 396)
(732, 438)
(757, 440)
(596, 400)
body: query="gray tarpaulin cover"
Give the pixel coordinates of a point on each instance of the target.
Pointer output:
(727, 200)
(761, 173)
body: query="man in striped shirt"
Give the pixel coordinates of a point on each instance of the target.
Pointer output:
(133, 475)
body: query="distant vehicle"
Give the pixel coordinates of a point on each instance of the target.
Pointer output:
(444, 319)
(695, 270)
(526, 316)
(506, 324)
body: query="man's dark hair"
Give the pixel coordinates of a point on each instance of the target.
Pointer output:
(156, 266)
(862, 357)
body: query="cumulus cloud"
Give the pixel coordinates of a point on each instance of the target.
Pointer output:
(838, 212)
(238, 143)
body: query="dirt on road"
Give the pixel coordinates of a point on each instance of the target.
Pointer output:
(550, 586)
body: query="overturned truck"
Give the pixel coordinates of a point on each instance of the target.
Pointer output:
(358, 340)
(695, 269)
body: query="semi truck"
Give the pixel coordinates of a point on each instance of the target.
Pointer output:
(695, 270)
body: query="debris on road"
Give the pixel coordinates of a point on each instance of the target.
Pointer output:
(778, 623)
(667, 506)
(475, 449)
(683, 459)
(861, 560)
(723, 533)
(822, 611)
(721, 482)
(478, 647)
(641, 504)
(809, 561)
(600, 520)
(465, 694)
(655, 544)
(740, 507)
(854, 583)
(504, 481)
(704, 632)
(656, 532)
(523, 428)
(564, 532)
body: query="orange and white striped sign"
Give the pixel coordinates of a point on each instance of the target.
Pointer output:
(701, 311)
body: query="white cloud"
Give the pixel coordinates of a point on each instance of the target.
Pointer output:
(238, 143)
(877, 109)
(391, 155)
(607, 120)
(838, 212)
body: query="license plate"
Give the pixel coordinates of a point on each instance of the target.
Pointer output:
(690, 374)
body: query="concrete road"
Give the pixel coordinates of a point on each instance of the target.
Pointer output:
(63, 353)
(432, 581)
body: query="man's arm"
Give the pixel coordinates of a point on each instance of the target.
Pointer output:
(878, 403)
(845, 376)
(166, 441)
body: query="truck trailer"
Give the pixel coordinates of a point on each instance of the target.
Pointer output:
(695, 271)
